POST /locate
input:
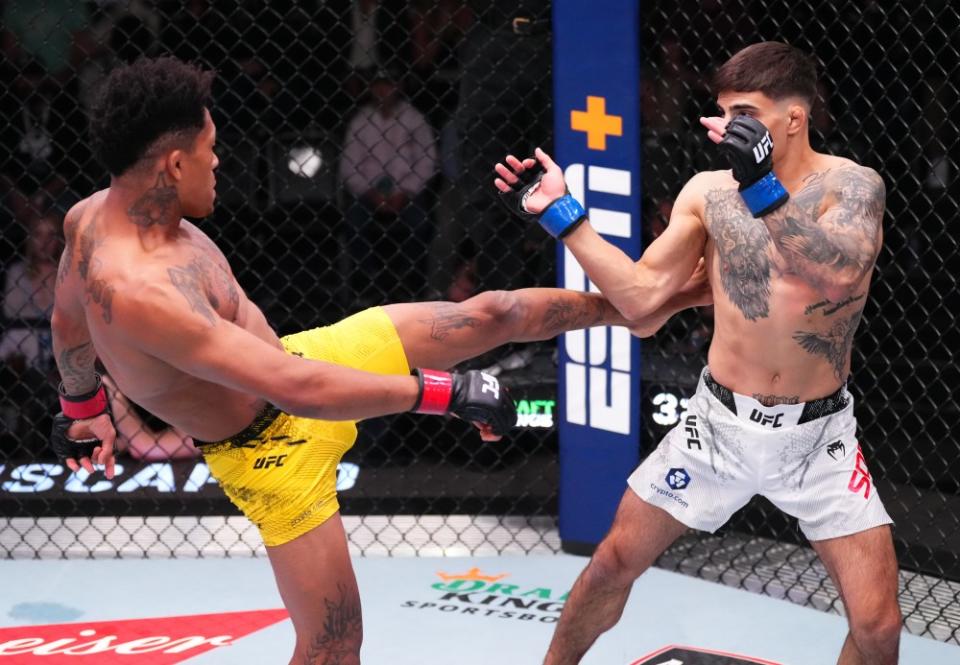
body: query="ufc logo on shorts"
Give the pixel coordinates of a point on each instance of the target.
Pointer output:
(268, 461)
(762, 149)
(490, 385)
(693, 434)
(766, 419)
(860, 478)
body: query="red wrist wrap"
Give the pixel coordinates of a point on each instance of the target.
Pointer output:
(84, 406)
(436, 389)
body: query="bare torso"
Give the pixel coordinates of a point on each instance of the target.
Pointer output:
(110, 256)
(778, 337)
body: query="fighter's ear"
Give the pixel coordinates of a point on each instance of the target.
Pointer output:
(172, 164)
(798, 118)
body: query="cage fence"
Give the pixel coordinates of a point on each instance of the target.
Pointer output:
(356, 141)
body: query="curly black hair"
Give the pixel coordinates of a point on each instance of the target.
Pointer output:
(140, 103)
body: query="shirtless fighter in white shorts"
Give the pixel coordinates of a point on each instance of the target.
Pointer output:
(790, 237)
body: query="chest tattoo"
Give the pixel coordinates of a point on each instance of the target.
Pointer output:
(743, 248)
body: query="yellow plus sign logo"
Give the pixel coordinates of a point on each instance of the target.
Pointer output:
(596, 123)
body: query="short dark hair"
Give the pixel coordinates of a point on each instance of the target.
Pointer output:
(140, 103)
(776, 69)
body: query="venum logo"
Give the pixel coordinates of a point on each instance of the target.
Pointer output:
(835, 448)
(268, 461)
(766, 419)
(597, 370)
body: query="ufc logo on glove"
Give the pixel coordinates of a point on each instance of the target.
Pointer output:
(490, 385)
(762, 149)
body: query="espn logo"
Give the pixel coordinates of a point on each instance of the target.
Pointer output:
(597, 372)
(762, 149)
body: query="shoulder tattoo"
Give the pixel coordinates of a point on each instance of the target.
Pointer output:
(192, 281)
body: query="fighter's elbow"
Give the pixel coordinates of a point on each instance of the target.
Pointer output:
(59, 321)
(638, 305)
(633, 312)
(645, 328)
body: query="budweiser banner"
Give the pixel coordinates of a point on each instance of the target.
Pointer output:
(157, 641)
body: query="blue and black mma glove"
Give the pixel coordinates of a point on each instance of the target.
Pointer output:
(559, 218)
(749, 148)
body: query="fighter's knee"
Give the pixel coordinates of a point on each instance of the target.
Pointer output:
(614, 562)
(878, 632)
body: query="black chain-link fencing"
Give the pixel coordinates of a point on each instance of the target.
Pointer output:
(356, 140)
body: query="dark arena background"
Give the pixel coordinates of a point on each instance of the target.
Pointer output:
(468, 82)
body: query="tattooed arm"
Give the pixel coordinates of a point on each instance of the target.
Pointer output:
(74, 353)
(75, 356)
(638, 289)
(836, 250)
(547, 313)
(73, 350)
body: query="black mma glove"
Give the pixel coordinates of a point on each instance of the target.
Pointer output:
(473, 396)
(77, 407)
(559, 218)
(749, 149)
(65, 447)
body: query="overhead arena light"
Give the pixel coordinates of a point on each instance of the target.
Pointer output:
(304, 161)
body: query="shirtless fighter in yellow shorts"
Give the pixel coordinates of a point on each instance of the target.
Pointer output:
(151, 296)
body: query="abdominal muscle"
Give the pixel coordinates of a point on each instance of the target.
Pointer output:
(763, 359)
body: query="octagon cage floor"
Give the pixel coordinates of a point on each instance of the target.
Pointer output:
(417, 610)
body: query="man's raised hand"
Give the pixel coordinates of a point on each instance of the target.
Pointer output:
(534, 190)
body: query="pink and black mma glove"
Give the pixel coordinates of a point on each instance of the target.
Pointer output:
(74, 408)
(559, 218)
(749, 149)
(473, 396)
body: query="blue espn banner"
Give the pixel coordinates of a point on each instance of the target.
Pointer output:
(597, 127)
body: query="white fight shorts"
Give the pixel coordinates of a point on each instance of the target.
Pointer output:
(728, 447)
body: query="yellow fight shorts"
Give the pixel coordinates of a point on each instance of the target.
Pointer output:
(282, 470)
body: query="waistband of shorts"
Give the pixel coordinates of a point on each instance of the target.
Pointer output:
(817, 408)
(266, 417)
